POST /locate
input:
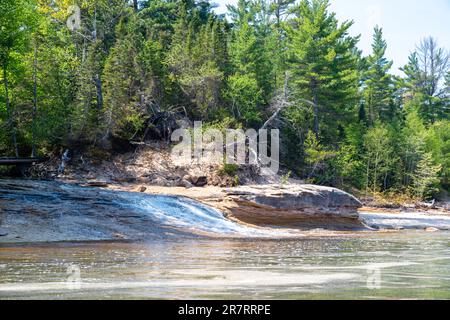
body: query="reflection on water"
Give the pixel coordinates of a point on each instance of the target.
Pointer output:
(403, 265)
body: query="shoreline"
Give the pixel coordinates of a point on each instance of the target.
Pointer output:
(406, 209)
(207, 192)
(210, 191)
(208, 195)
(234, 204)
(56, 211)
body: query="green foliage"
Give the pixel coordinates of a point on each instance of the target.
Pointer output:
(285, 179)
(425, 177)
(426, 70)
(378, 85)
(228, 170)
(414, 136)
(251, 81)
(350, 161)
(244, 96)
(236, 181)
(315, 154)
(323, 65)
(379, 156)
(438, 143)
(344, 119)
(134, 79)
(223, 124)
(196, 61)
(16, 26)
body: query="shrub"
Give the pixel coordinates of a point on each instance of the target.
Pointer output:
(228, 170)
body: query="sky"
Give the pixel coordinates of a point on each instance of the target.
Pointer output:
(404, 23)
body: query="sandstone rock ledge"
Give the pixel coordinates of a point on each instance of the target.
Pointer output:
(300, 206)
(304, 207)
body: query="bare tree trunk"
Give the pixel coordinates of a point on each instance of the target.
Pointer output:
(367, 177)
(375, 174)
(33, 148)
(98, 85)
(385, 180)
(135, 5)
(97, 79)
(281, 104)
(11, 125)
(278, 14)
(283, 101)
(108, 125)
(316, 109)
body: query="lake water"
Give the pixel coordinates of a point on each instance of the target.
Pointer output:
(406, 265)
(180, 262)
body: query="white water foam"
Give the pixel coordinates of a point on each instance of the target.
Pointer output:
(405, 221)
(219, 278)
(188, 214)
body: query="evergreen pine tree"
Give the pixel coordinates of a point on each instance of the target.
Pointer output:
(197, 61)
(424, 78)
(323, 64)
(247, 85)
(378, 85)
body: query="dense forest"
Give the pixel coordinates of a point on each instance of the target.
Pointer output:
(345, 119)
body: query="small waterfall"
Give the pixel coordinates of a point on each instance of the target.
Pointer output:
(52, 211)
(188, 214)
